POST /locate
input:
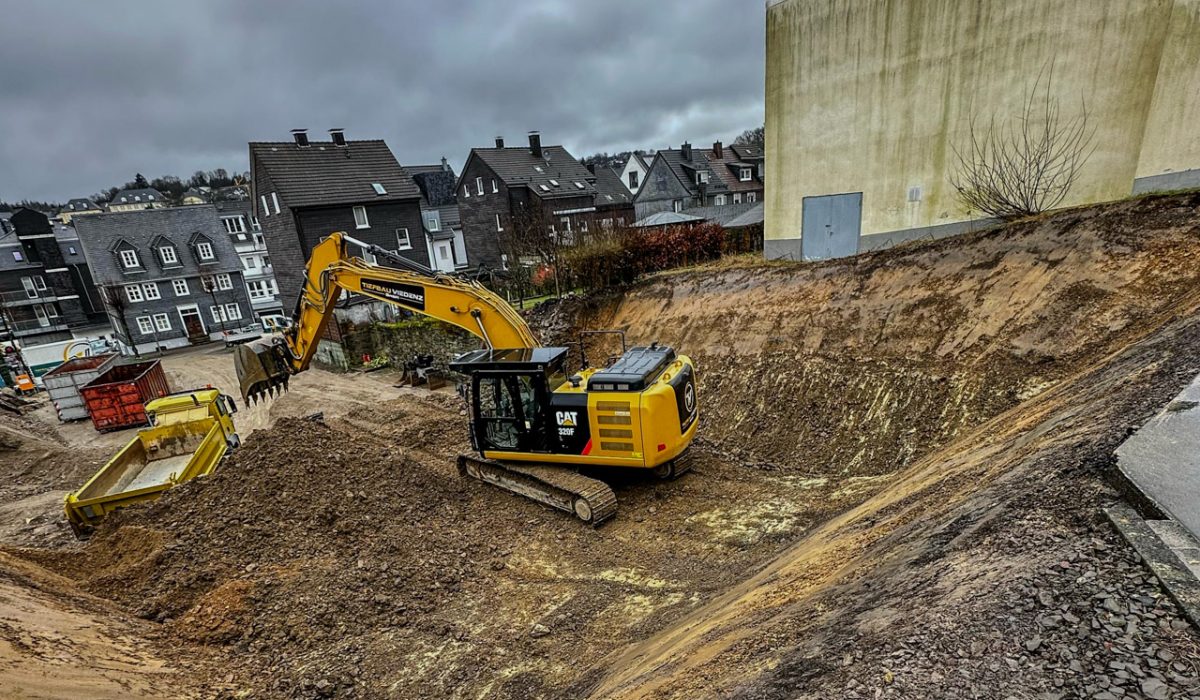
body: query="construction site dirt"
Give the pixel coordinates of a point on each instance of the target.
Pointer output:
(897, 493)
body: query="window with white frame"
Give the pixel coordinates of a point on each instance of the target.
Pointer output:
(167, 255)
(265, 209)
(162, 322)
(150, 290)
(234, 224)
(737, 197)
(254, 225)
(275, 201)
(233, 312)
(224, 282)
(403, 242)
(133, 293)
(479, 185)
(258, 289)
(42, 317)
(678, 205)
(701, 178)
(378, 187)
(746, 174)
(583, 225)
(433, 223)
(494, 188)
(145, 325)
(204, 250)
(129, 258)
(751, 196)
(499, 224)
(360, 218)
(250, 262)
(720, 200)
(180, 287)
(466, 192)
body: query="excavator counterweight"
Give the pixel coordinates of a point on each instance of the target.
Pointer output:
(534, 425)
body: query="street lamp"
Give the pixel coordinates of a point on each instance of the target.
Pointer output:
(154, 330)
(210, 286)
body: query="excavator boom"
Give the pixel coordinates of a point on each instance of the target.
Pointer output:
(264, 367)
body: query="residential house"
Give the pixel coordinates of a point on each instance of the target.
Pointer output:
(634, 172)
(613, 201)
(247, 238)
(754, 155)
(303, 191)
(136, 200)
(168, 277)
(75, 261)
(440, 217)
(678, 179)
(743, 178)
(78, 207)
(38, 300)
(530, 185)
(196, 195)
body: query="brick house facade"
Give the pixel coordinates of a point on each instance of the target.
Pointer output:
(303, 191)
(168, 277)
(527, 185)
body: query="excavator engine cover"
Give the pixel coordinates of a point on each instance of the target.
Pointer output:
(261, 369)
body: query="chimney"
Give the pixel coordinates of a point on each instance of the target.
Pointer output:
(300, 136)
(499, 142)
(535, 144)
(338, 136)
(718, 150)
(686, 150)
(591, 168)
(445, 165)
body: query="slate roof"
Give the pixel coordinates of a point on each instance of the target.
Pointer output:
(81, 204)
(322, 174)
(9, 243)
(727, 168)
(147, 195)
(437, 184)
(750, 218)
(180, 225)
(610, 190)
(666, 218)
(517, 167)
(751, 153)
(684, 170)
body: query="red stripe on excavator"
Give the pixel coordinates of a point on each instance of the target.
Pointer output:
(588, 447)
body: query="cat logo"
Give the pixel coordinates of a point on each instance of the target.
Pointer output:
(566, 419)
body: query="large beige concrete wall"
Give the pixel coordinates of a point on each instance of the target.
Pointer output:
(1171, 143)
(872, 96)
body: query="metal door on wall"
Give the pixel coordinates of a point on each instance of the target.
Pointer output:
(830, 226)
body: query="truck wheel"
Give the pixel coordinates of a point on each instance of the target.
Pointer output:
(665, 471)
(235, 441)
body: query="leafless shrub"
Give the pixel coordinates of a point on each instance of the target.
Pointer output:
(1026, 165)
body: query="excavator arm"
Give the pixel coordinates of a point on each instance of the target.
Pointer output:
(266, 366)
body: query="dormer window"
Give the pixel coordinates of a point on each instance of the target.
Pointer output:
(433, 223)
(137, 198)
(129, 259)
(746, 174)
(204, 250)
(150, 197)
(167, 253)
(701, 178)
(378, 188)
(124, 199)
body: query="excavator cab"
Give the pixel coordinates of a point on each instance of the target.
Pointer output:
(511, 397)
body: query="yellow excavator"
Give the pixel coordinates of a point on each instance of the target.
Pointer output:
(533, 425)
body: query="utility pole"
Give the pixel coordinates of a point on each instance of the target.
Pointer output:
(210, 286)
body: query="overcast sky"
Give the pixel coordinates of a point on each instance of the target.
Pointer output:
(92, 92)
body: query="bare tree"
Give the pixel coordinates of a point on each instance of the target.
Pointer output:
(1026, 165)
(114, 303)
(529, 235)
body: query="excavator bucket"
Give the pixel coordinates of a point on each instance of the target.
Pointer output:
(261, 370)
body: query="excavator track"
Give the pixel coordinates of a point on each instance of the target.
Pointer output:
(590, 500)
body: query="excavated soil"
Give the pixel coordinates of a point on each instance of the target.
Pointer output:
(902, 461)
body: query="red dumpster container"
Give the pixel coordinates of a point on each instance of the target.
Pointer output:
(117, 399)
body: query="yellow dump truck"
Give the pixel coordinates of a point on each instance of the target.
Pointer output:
(189, 433)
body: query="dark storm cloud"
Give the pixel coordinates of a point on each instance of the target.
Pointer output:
(92, 92)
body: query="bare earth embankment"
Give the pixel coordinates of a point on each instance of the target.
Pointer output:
(897, 494)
